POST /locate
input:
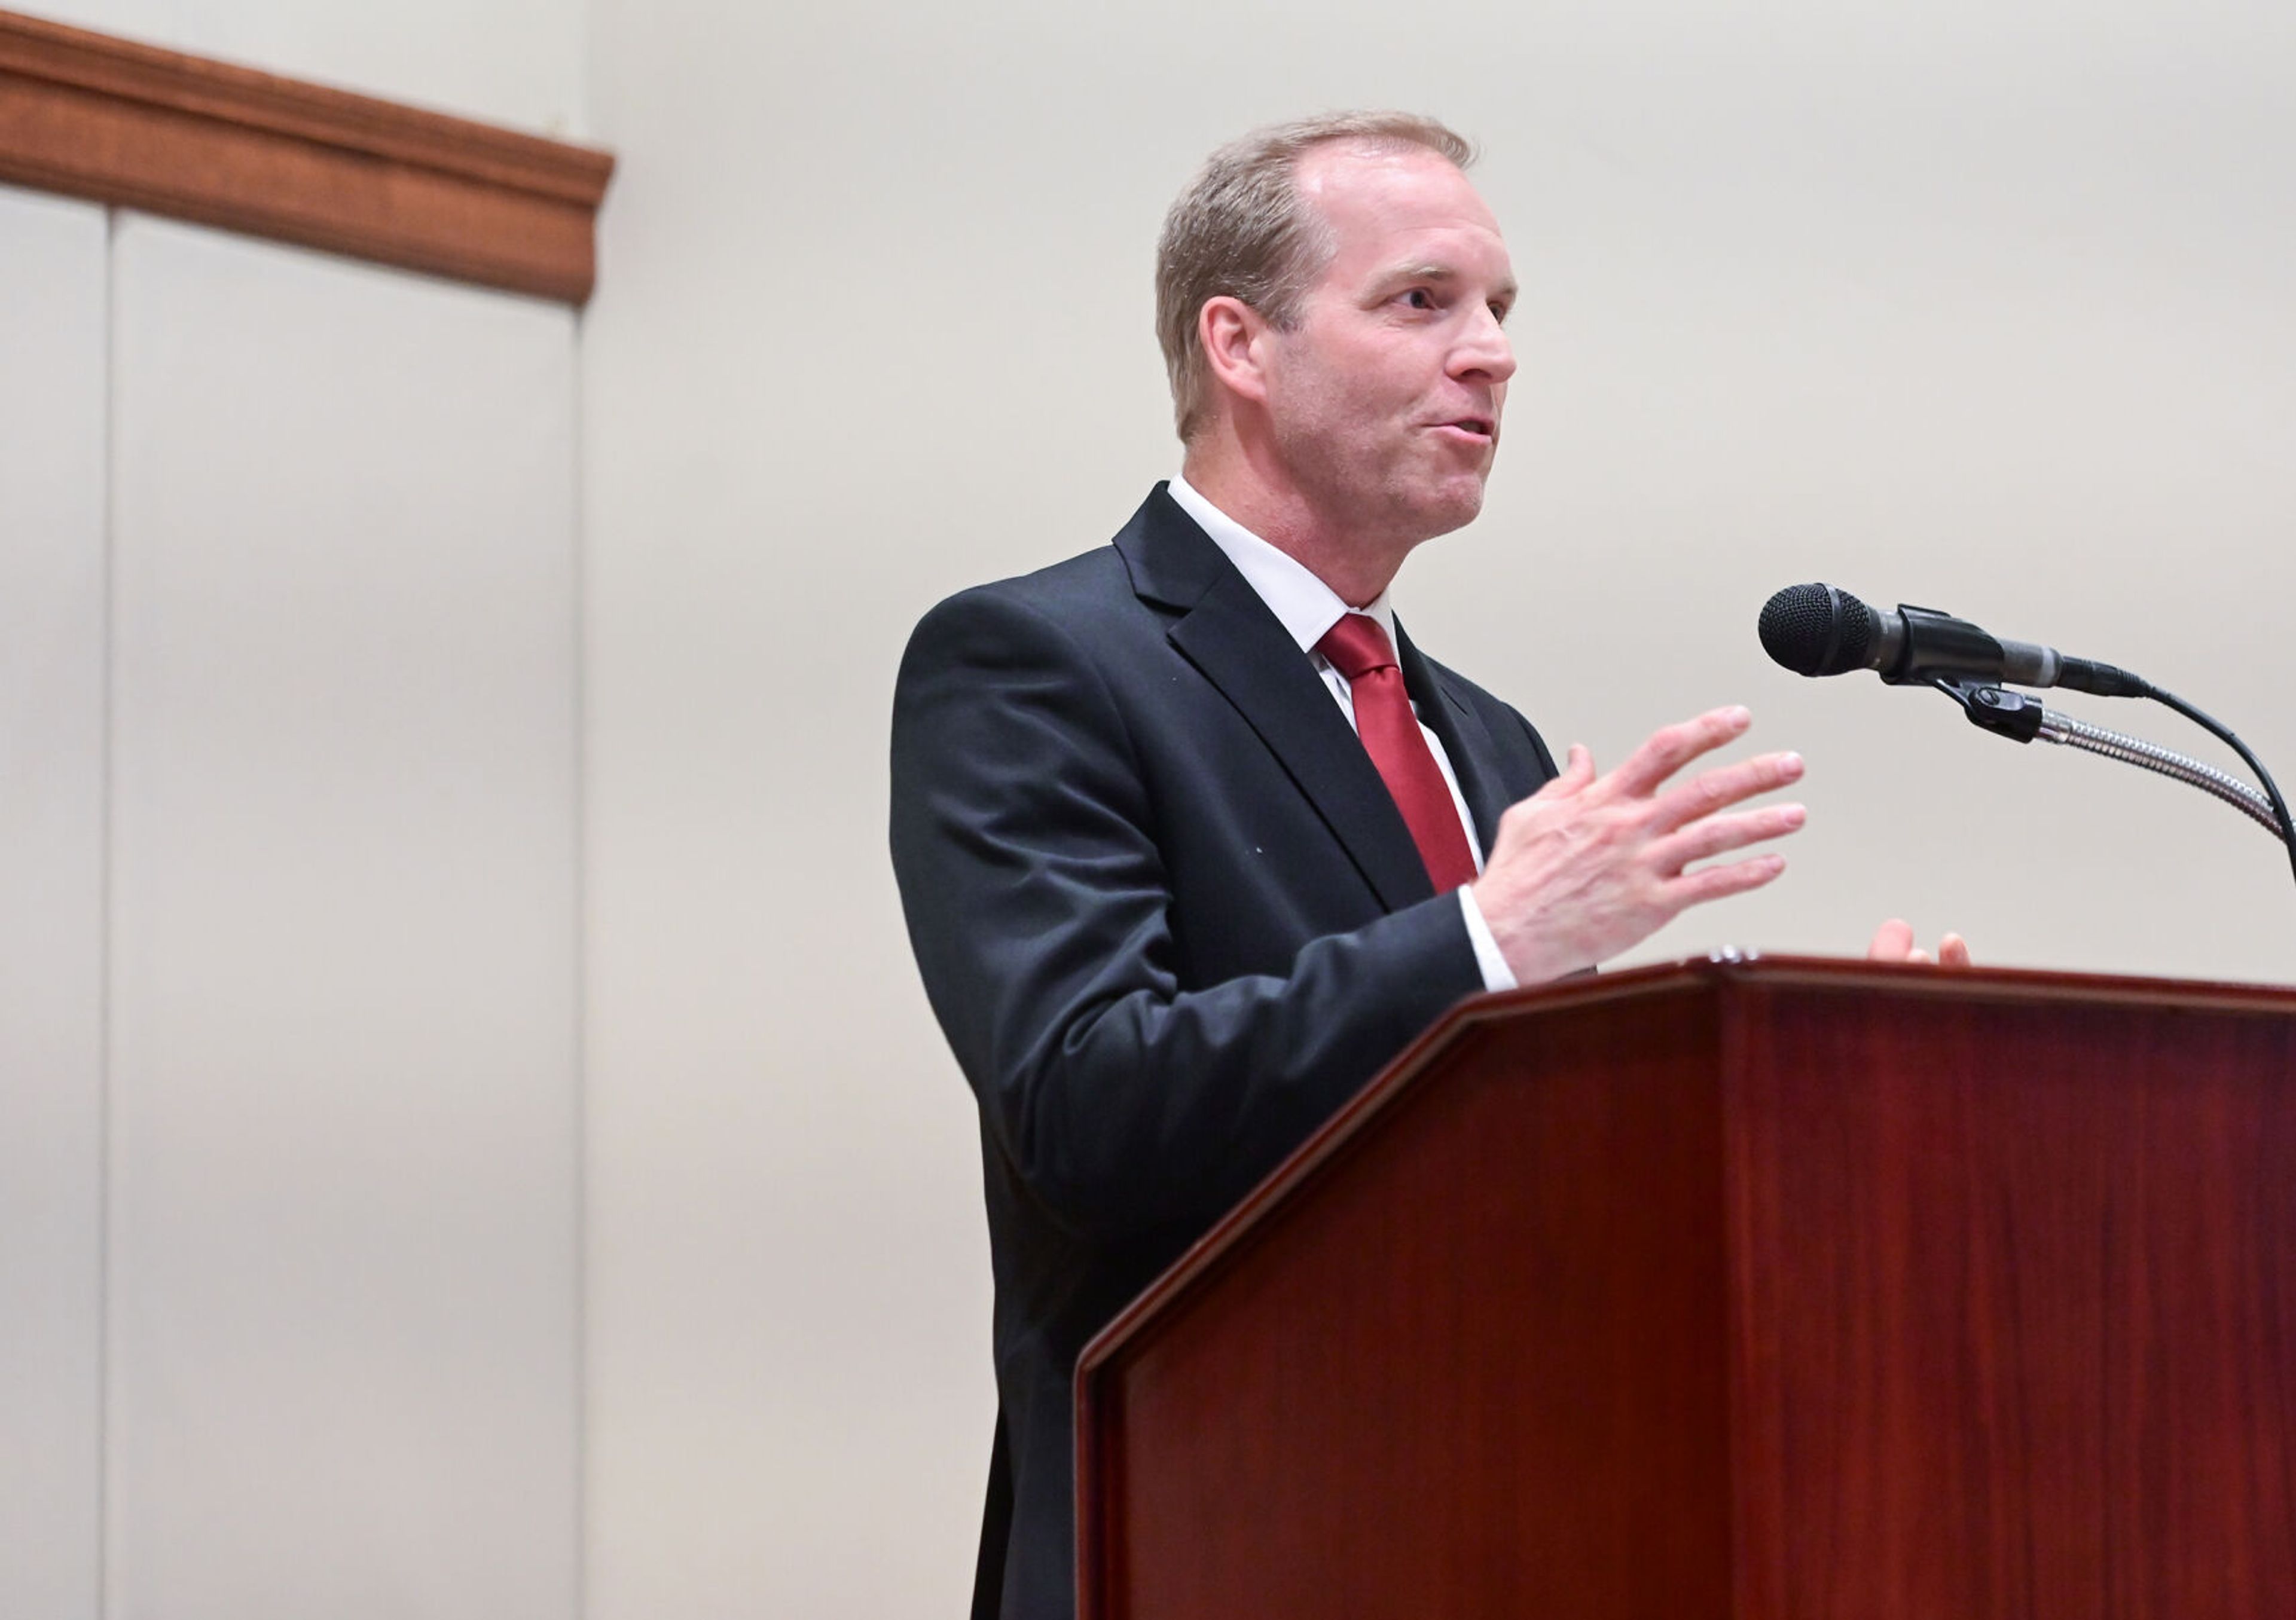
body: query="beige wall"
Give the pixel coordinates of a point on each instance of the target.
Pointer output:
(1980, 307)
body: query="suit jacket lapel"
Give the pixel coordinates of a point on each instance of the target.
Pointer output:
(1465, 737)
(1228, 633)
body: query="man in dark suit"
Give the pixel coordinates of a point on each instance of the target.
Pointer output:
(1190, 838)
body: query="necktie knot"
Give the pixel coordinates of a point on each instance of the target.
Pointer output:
(1356, 645)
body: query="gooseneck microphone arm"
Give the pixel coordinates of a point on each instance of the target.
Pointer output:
(1820, 630)
(2025, 719)
(2062, 728)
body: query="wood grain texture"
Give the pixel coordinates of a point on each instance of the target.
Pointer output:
(2015, 1309)
(115, 122)
(1785, 1289)
(1362, 1405)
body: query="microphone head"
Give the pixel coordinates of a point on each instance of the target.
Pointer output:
(1817, 630)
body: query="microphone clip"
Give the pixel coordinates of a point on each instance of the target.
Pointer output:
(1994, 708)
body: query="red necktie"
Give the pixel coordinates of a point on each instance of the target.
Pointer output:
(1358, 648)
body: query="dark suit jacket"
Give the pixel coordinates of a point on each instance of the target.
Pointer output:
(1170, 920)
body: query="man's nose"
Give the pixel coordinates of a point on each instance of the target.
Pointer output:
(1486, 350)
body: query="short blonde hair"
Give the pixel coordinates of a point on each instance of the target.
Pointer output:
(1243, 231)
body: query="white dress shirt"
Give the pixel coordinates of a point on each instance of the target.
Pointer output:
(1307, 608)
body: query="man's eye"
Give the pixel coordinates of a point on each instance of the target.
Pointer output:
(1419, 297)
(1499, 311)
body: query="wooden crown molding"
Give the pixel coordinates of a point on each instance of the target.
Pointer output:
(114, 122)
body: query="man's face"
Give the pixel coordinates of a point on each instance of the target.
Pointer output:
(1384, 403)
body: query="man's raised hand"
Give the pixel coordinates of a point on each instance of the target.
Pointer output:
(1590, 865)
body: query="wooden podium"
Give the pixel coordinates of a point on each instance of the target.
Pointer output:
(1738, 1289)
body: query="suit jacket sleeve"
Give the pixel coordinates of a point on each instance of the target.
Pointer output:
(1025, 834)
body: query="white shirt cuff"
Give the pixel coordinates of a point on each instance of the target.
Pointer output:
(1497, 975)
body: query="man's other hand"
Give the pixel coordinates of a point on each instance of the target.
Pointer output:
(1590, 865)
(1893, 941)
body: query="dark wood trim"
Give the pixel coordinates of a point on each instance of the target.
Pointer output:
(114, 122)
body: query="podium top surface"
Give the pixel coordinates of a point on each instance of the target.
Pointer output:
(1732, 968)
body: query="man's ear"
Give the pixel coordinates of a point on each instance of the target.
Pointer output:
(1232, 332)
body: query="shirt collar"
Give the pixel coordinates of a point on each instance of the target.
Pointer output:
(1304, 605)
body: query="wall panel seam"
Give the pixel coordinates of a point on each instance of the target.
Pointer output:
(107, 913)
(581, 717)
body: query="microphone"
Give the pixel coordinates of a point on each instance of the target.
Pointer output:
(1820, 630)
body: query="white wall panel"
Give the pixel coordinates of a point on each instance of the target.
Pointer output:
(52, 630)
(343, 1289)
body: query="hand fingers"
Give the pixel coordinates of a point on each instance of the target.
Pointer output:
(1670, 748)
(1717, 833)
(1891, 941)
(1721, 881)
(1725, 785)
